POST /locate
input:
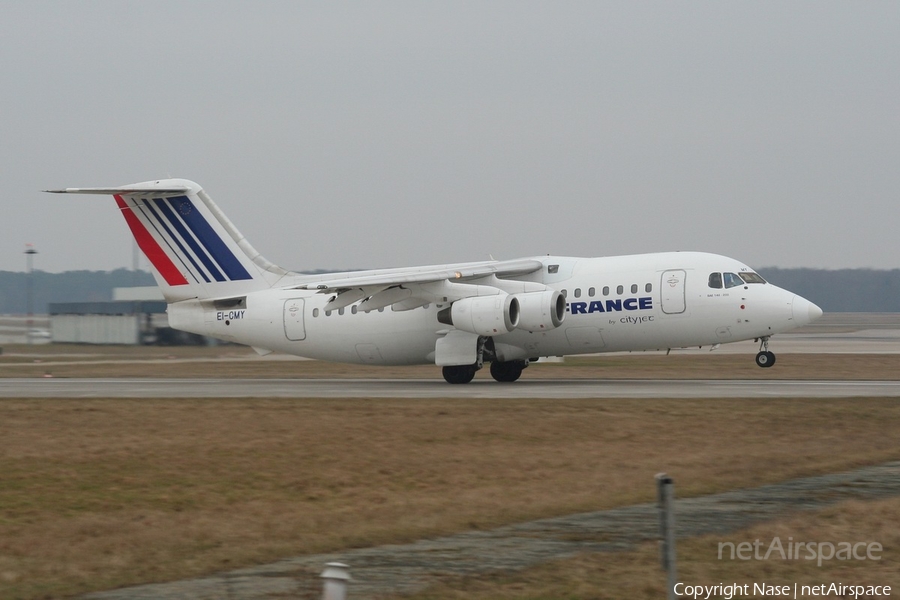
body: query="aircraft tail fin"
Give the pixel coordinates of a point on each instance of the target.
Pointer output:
(195, 250)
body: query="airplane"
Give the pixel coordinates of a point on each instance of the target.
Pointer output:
(457, 316)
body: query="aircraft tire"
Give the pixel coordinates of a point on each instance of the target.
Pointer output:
(459, 373)
(506, 372)
(765, 359)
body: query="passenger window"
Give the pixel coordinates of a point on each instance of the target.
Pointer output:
(715, 280)
(648, 288)
(381, 309)
(634, 288)
(606, 290)
(732, 280)
(340, 311)
(578, 292)
(620, 290)
(315, 312)
(327, 313)
(353, 310)
(565, 293)
(591, 292)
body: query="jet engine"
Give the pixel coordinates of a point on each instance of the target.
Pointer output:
(541, 311)
(483, 315)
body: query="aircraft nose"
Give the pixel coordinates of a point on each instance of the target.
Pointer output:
(804, 311)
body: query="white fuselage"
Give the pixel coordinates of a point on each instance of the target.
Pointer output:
(640, 302)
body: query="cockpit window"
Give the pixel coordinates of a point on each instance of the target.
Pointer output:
(732, 280)
(715, 280)
(752, 278)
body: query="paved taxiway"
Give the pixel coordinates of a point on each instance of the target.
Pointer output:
(418, 388)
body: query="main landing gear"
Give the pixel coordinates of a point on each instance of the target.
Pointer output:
(459, 373)
(507, 372)
(504, 372)
(765, 358)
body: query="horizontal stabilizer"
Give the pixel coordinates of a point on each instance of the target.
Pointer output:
(140, 192)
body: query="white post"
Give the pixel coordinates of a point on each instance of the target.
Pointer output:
(665, 489)
(336, 576)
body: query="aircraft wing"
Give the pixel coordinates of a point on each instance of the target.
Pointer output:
(509, 268)
(412, 287)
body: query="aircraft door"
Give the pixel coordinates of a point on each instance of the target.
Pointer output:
(294, 327)
(672, 292)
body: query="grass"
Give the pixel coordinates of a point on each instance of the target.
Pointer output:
(637, 574)
(99, 493)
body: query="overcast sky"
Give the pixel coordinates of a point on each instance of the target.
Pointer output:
(379, 134)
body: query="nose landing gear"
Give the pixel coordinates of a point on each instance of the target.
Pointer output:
(765, 358)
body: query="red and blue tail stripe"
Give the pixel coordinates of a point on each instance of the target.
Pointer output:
(150, 247)
(217, 253)
(190, 239)
(182, 251)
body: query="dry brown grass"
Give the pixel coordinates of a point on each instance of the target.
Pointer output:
(100, 493)
(637, 575)
(125, 361)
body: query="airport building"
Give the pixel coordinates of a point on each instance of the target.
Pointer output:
(135, 316)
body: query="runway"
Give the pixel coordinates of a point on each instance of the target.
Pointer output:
(838, 333)
(419, 388)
